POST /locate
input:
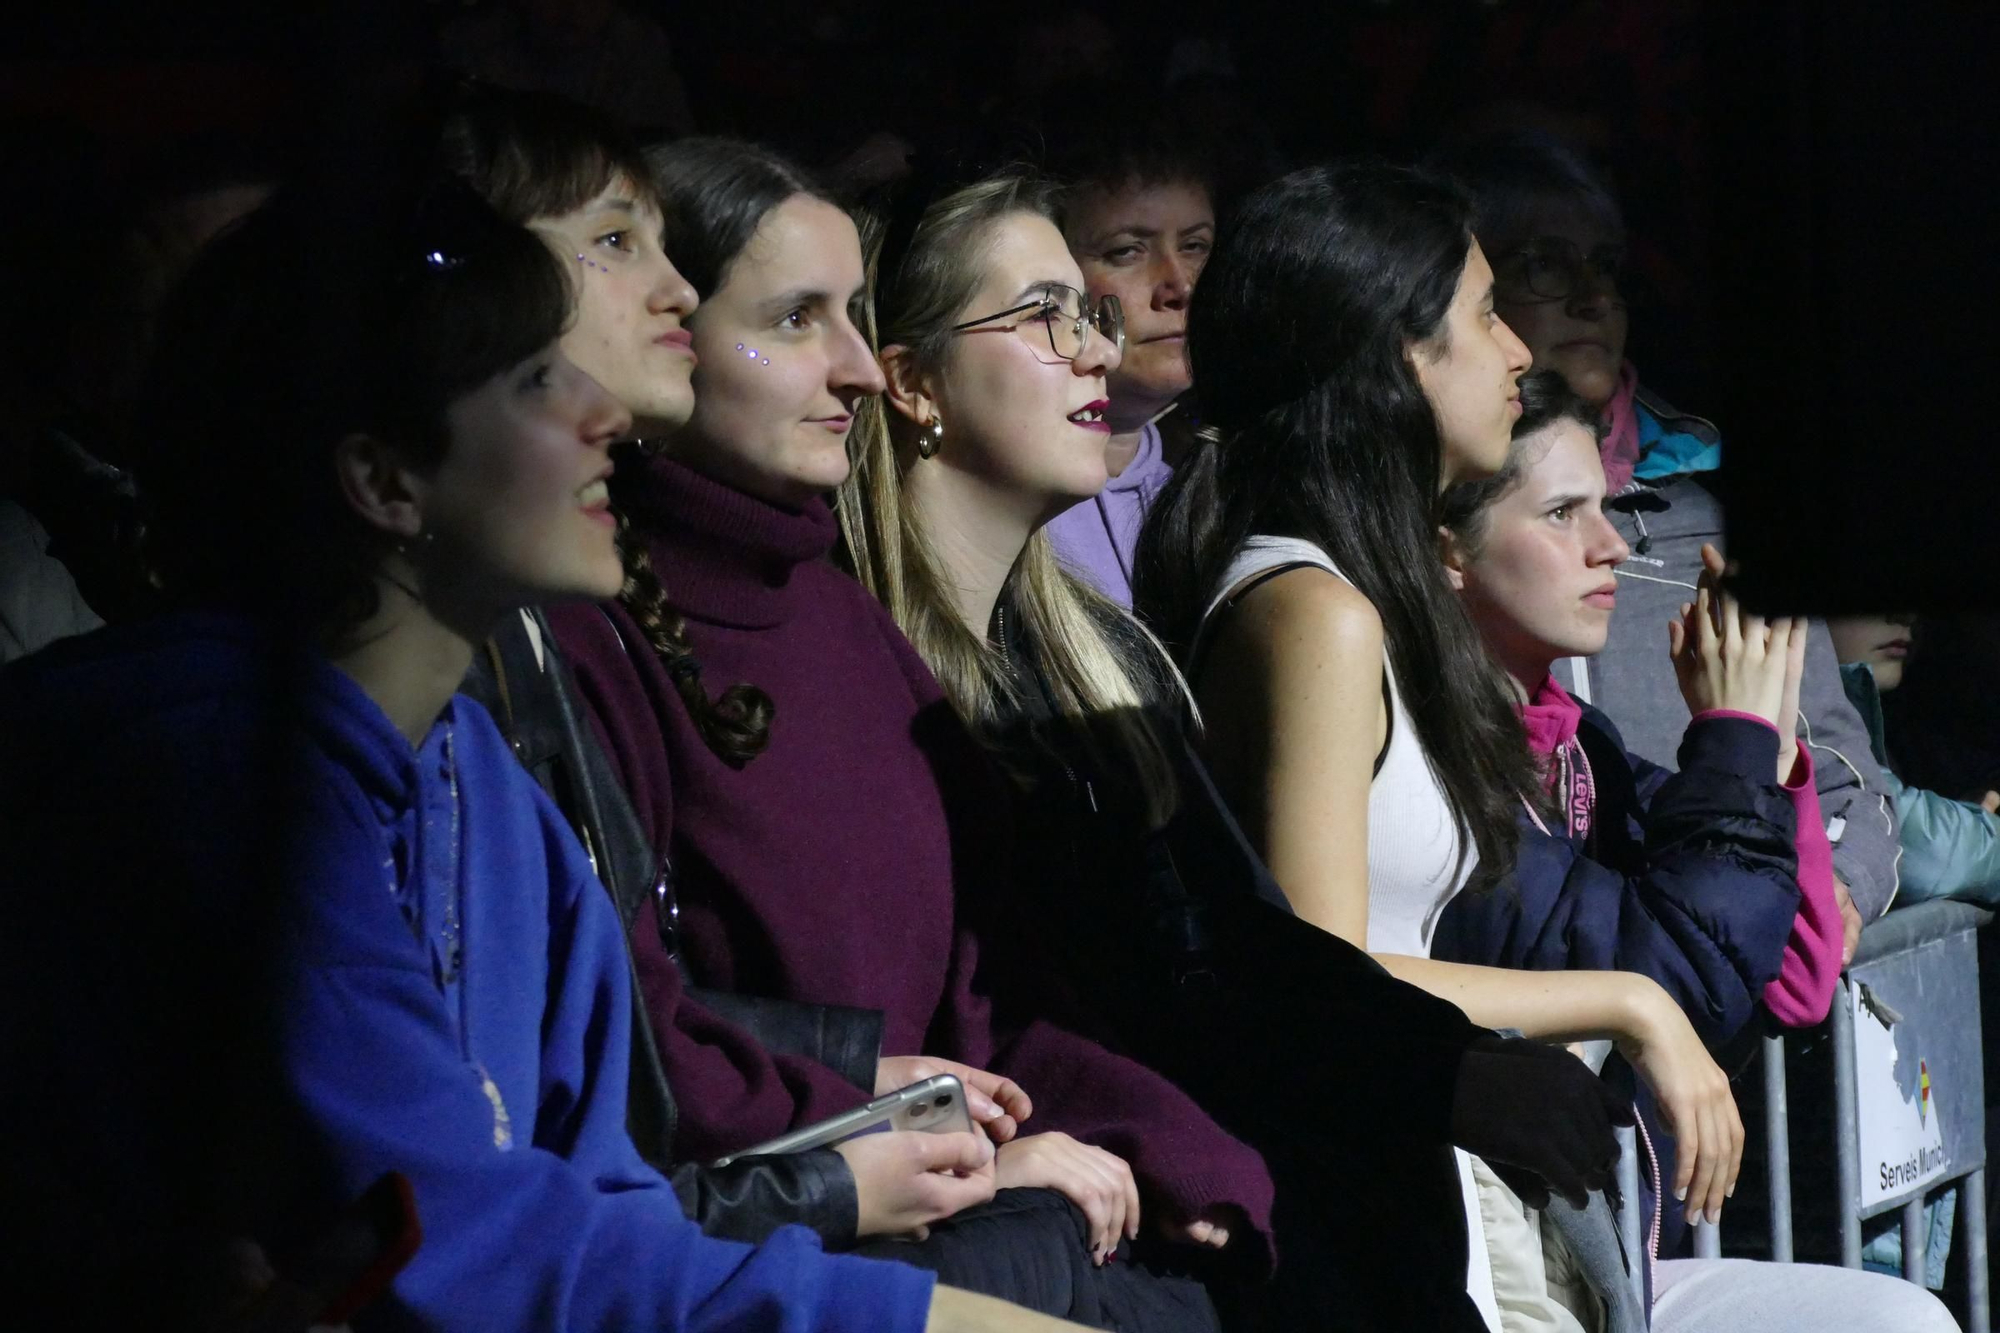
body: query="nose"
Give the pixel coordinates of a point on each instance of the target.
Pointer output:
(1099, 355)
(603, 420)
(1606, 546)
(1173, 283)
(671, 292)
(1519, 358)
(852, 370)
(1595, 296)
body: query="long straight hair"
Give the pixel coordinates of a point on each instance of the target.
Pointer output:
(1091, 654)
(1299, 336)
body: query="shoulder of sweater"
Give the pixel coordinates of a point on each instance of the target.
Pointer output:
(846, 597)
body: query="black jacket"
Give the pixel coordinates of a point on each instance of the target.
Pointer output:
(1177, 946)
(531, 697)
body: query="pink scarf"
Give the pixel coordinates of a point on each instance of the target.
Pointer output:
(1620, 450)
(1551, 718)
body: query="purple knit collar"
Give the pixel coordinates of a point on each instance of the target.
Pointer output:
(725, 557)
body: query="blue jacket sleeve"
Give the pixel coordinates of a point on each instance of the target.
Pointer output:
(1692, 886)
(549, 1219)
(1951, 849)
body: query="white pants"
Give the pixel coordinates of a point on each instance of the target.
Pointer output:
(1746, 1296)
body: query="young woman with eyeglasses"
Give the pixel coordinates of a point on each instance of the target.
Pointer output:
(835, 841)
(285, 913)
(1133, 883)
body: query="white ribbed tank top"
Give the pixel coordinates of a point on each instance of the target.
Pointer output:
(1413, 847)
(1413, 841)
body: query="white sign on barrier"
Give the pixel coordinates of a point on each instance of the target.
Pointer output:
(1902, 1140)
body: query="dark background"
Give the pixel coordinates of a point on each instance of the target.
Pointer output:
(1806, 181)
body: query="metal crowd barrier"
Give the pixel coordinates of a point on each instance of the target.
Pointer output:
(1918, 970)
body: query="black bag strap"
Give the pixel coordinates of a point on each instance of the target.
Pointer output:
(531, 697)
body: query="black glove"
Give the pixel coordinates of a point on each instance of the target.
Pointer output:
(1541, 1111)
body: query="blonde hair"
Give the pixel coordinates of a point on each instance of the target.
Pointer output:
(1096, 683)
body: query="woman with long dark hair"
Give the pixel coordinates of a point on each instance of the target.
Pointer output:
(1355, 366)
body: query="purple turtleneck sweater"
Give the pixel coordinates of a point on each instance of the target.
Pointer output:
(847, 863)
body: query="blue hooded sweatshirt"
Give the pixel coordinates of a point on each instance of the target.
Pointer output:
(450, 997)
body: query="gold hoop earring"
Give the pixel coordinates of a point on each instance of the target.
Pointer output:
(932, 440)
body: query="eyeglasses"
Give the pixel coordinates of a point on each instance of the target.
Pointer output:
(1549, 269)
(1064, 316)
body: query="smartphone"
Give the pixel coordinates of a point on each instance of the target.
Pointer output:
(934, 1106)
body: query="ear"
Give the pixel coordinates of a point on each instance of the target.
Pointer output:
(1454, 558)
(908, 391)
(380, 486)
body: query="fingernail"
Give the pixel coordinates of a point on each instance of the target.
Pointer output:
(1729, 1193)
(1680, 1195)
(1714, 1216)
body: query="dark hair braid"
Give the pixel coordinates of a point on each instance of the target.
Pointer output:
(736, 726)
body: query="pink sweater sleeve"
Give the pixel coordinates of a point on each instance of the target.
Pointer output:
(1803, 991)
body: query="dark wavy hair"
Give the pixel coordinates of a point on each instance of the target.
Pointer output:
(1546, 398)
(1299, 335)
(539, 155)
(362, 300)
(1513, 176)
(714, 194)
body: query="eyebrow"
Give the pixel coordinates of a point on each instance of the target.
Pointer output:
(1141, 230)
(1038, 288)
(798, 296)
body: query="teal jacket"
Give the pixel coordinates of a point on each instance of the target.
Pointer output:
(1951, 849)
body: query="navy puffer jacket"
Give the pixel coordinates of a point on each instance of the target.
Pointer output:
(1689, 878)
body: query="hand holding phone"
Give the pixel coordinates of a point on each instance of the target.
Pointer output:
(934, 1105)
(903, 1182)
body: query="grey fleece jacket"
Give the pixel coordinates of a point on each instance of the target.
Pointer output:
(39, 601)
(1666, 521)
(1593, 1238)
